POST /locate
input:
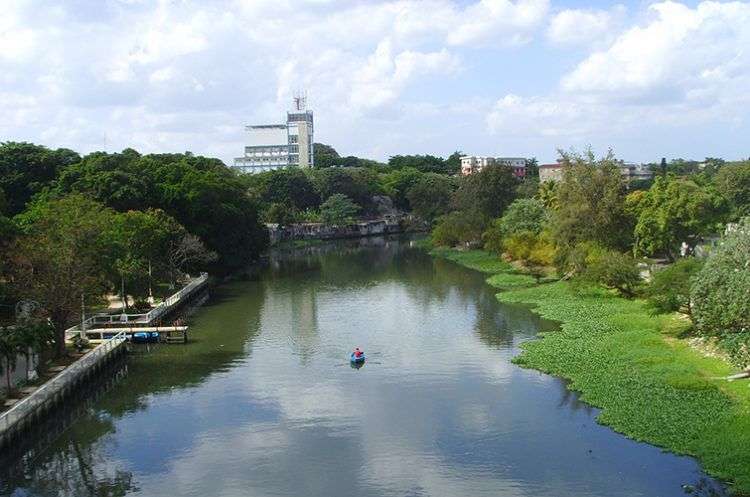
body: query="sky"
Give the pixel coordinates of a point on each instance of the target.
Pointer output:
(519, 78)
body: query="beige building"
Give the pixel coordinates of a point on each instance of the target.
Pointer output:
(550, 172)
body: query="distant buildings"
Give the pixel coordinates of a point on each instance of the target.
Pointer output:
(471, 164)
(628, 170)
(276, 146)
(550, 172)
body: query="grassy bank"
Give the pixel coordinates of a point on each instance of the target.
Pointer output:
(650, 385)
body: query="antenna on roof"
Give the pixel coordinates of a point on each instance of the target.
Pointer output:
(300, 101)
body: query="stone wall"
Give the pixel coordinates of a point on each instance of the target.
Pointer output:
(319, 231)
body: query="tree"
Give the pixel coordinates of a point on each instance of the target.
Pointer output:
(427, 163)
(338, 210)
(457, 228)
(27, 169)
(62, 254)
(590, 205)
(720, 289)
(10, 348)
(430, 196)
(669, 288)
(325, 155)
(673, 211)
(614, 270)
(186, 254)
(398, 183)
(487, 193)
(290, 187)
(202, 194)
(547, 194)
(524, 215)
(733, 182)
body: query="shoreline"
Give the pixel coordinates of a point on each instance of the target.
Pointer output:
(650, 386)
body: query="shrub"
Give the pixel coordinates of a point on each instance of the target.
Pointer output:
(338, 210)
(669, 289)
(457, 228)
(721, 290)
(613, 270)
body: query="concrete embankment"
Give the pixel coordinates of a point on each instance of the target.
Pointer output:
(319, 231)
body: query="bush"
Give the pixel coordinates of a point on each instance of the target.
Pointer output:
(613, 270)
(457, 228)
(338, 210)
(721, 290)
(669, 289)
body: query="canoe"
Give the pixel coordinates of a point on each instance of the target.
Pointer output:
(358, 359)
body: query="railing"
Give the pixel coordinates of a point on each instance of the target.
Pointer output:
(152, 315)
(47, 391)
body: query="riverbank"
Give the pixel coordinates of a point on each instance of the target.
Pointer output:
(650, 385)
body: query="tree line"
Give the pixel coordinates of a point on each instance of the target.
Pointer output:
(595, 227)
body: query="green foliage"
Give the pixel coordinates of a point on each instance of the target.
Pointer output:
(280, 214)
(427, 163)
(27, 169)
(672, 211)
(325, 155)
(613, 270)
(528, 187)
(487, 193)
(430, 196)
(457, 228)
(359, 184)
(290, 187)
(733, 182)
(338, 210)
(590, 206)
(525, 214)
(612, 352)
(720, 290)
(202, 194)
(669, 288)
(547, 194)
(66, 251)
(398, 183)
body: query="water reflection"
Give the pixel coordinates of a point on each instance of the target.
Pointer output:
(261, 403)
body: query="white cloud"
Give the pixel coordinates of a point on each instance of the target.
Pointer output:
(582, 27)
(680, 52)
(500, 22)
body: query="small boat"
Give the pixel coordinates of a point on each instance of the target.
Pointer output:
(145, 337)
(358, 359)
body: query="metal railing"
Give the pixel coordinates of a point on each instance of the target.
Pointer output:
(155, 313)
(66, 377)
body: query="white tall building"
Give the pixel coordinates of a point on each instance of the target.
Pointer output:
(275, 146)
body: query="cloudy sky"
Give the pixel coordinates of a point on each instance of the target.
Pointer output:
(497, 77)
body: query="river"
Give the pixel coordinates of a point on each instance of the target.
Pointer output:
(263, 401)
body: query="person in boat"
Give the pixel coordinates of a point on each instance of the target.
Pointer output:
(357, 353)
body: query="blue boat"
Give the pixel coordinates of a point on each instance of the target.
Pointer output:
(358, 359)
(145, 337)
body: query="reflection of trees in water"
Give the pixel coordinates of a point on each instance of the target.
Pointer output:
(75, 470)
(571, 399)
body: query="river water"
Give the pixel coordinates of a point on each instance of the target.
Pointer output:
(263, 401)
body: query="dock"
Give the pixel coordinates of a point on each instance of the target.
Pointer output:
(103, 326)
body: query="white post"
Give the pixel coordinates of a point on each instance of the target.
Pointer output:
(83, 317)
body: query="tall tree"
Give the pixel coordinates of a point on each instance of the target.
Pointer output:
(675, 211)
(63, 254)
(487, 193)
(590, 204)
(430, 196)
(733, 182)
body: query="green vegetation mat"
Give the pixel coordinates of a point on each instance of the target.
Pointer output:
(649, 385)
